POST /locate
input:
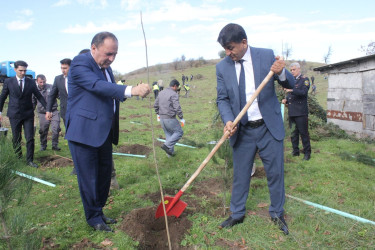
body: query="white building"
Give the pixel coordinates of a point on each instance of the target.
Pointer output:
(351, 95)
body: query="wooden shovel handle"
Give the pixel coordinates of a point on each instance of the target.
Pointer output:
(226, 134)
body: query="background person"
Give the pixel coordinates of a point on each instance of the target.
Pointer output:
(298, 111)
(160, 84)
(167, 106)
(261, 129)
(155, 88)
(20, 90)
(44, 124)
(92, 123)
(59, 90)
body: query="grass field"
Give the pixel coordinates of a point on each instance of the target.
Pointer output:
(54, 218)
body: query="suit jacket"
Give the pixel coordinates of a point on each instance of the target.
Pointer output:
(90, 115)
(20, 104)
(58, 90)
(297, 99)
(228, 99)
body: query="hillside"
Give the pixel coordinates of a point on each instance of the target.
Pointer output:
(206, 69)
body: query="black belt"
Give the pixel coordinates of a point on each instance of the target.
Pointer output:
(255, 124)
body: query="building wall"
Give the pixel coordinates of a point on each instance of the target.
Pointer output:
(351, 97)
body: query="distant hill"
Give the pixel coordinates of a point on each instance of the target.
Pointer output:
(206, 68)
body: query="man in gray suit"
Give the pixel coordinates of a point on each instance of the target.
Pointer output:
(261, 129)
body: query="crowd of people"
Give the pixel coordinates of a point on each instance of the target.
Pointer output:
(90, 103)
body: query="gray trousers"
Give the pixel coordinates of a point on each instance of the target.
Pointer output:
(271, 152)
(173, 132)
(44, 125)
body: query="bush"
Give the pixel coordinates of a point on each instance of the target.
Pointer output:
(327, 131)
(198, 76)
(14, 191)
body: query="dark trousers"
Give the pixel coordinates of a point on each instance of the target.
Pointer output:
(301, 128)
(28, 127)
(249, 141)
(94, 167)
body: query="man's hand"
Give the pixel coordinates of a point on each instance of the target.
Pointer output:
(48, 116)
(141, 90)
(228, 127)
(278, 65)
(283, 101)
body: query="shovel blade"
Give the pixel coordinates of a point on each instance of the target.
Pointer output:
(176, 210)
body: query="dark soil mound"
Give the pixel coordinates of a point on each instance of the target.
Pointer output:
(55, 161)
(142, 226)
(135, 149)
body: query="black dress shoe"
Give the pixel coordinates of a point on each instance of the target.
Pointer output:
(74, 171)
(306, 157)
(282, 224)
(230, 222)
(56, 148)
(102, 227)
(295, 154)
(108, 220)
(32, 164)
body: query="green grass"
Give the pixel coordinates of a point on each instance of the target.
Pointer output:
(57, 214)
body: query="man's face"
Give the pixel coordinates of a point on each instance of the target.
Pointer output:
(21, 71)
(65, 69)
(175, 88)
(295, 71)
(236, 50)
(106, 53)
(41, 83)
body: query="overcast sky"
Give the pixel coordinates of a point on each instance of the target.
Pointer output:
(44, 32)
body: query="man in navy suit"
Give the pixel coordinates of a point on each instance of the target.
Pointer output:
(261, 129)
(92, 123)
(20, 109)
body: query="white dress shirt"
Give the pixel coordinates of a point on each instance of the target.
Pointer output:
(253, 113)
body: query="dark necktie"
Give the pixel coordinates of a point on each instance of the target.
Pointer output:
(105, 75)
(242, 90)
(21, 85)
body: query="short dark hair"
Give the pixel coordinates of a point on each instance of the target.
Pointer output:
(66, 61)
(99, 38)
(41, 76)
(173, 83)
(231, 33)
(20, 63)
(83, 51)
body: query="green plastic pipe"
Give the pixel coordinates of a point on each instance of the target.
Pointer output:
(351, 216)
(34, 179)
(139, 156)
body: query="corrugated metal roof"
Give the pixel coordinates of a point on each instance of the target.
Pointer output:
(343, 63)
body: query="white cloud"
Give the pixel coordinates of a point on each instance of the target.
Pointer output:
(130, 4)
(26, 12)
(90, 27)
(90, 3)
(62, 3)
(19, 25)
(170, 10)
(86, 2)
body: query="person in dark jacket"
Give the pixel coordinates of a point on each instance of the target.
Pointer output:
(20, 90)
(298, 111)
